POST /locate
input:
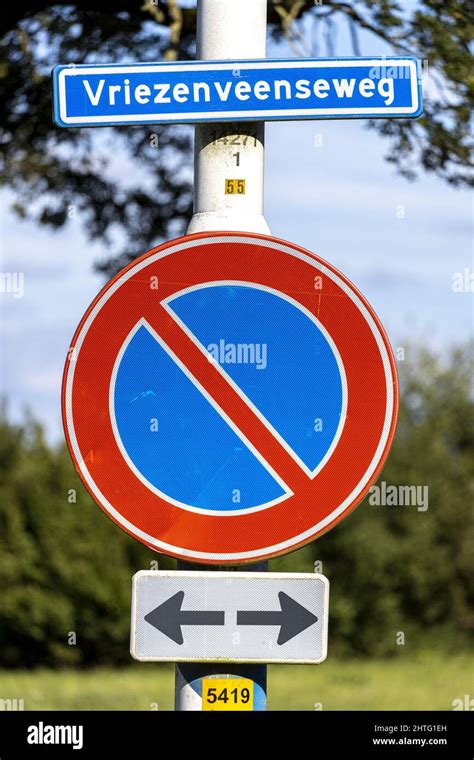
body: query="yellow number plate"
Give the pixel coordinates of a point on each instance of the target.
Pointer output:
(235, 187)
(227, 694)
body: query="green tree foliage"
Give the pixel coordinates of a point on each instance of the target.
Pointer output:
(65, 567)
(398, 568)
(52, 170)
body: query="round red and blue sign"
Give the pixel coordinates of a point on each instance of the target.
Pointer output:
(229, 397)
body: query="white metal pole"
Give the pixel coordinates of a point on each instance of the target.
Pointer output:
(229, 30)
(223, 152)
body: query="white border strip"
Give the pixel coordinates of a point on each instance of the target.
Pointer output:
(140, 118)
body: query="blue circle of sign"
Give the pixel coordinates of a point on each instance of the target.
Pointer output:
(280, 361)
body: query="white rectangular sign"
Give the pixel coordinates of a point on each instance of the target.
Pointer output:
(186, 616)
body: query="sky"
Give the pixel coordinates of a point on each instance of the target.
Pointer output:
(329, 189)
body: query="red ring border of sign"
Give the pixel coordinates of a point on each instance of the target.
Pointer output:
(246, 537)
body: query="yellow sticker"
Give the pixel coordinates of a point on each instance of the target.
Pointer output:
(235, 187)
(227, 694)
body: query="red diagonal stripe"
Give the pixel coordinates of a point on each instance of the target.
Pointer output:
(228, 400)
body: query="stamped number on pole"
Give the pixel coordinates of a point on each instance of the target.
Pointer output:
(227, 694)
(235, 187)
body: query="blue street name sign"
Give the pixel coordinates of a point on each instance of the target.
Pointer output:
(194, 91)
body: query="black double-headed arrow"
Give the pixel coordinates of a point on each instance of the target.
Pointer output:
(292, 618)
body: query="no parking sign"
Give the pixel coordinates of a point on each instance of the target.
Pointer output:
(228, 397)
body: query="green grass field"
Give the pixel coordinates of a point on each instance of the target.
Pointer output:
(430, 681)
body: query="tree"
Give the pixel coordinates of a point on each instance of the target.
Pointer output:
(409, 569)
(65, 571)
(55, 174)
